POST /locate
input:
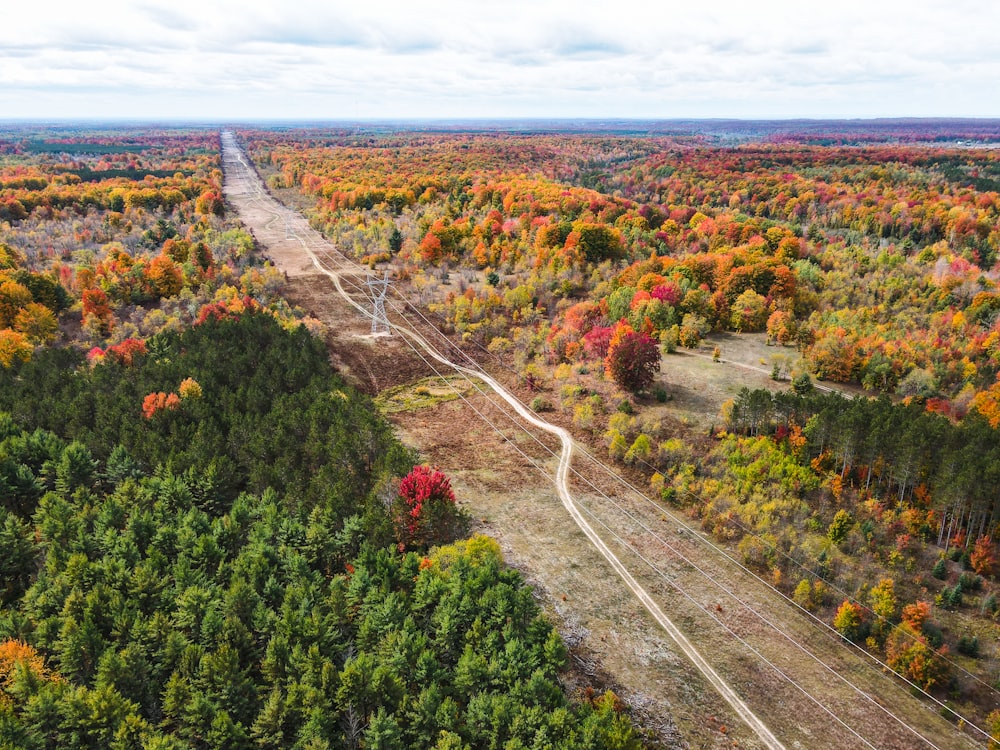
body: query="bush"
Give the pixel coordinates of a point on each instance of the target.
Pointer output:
(909, 654)
(969, 646)
(540, 404)
(803, 595)
(670, 338)
(641, 450)
(970, 582)
(625, 407)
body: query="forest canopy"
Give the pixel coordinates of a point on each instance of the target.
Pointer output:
(222, 571)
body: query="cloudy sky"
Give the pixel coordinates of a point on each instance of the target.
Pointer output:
(251, 59)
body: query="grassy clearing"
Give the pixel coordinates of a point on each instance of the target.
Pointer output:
(423, 393)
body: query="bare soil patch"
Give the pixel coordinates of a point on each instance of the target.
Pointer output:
(372, 364)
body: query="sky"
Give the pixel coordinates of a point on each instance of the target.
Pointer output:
(235, 60)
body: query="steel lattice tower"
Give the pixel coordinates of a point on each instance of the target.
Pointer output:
(379, 288)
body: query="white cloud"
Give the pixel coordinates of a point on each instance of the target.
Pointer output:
(222, 59)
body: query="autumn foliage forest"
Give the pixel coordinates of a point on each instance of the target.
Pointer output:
(866, 255)
(208, 539)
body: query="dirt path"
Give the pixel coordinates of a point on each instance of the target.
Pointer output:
(772, 676)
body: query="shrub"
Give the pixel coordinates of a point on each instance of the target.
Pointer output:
(916, 614)
(670, 338)
(970, 582)
(908, 653)
(617, 447)
(969, 646)
(803, 595)
(641, 450)
(540, 404)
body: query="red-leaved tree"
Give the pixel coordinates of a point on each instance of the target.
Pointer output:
(633, 360)
(127, 350)
(424, 511)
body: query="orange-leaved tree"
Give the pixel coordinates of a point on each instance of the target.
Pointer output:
(15, 656)
(160, 401)
(908, 653)
(13, 298)
(97, 310)
(13, 346)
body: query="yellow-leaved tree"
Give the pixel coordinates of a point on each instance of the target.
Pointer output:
(14, 346)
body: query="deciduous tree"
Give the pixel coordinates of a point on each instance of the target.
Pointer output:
(424, 511)
(37, 323)
(632, 361)
(13, 298)
(14, 347)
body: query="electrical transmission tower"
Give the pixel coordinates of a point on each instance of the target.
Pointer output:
(379, 288)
